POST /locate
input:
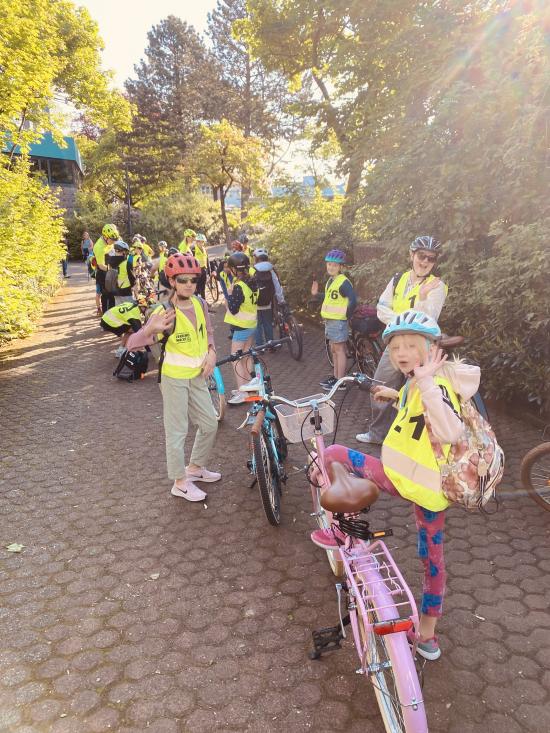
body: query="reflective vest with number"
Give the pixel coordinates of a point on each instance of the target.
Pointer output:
(403, 302)
(335, 306)
(123, 280)
(407, 454)
(247, 317)
(122, 314)
(187, 347)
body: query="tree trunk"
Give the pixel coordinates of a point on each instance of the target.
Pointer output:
(245, 190)
(224, 214)
(351, 203)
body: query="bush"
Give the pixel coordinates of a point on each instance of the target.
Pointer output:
(298, 232)
(31, 230)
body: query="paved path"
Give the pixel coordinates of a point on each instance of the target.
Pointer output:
(130, 610)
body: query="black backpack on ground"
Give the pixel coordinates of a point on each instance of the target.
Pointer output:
(132, 366)
(266, 288)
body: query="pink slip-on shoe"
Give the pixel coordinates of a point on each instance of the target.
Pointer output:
(189, 491)
(203, 475)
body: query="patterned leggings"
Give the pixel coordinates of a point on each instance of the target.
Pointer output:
(429, 525)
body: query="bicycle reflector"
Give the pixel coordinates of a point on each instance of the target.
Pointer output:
(253, 398)
(392, 626)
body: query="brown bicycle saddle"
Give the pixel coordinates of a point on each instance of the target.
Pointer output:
(347, 494)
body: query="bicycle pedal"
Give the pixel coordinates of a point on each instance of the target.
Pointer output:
(326, 640)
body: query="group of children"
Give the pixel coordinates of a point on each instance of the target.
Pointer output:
(420, 396)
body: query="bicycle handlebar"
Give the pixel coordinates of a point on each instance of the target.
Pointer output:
(363, 381)
(252, 351)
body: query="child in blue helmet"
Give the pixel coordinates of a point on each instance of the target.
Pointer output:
(338, 305)
(426, 425)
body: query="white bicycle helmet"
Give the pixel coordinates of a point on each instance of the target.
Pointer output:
(261, 252)
(413, 322)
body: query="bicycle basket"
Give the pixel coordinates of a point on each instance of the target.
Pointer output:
(293, 418)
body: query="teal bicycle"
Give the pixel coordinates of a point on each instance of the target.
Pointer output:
(268, 445)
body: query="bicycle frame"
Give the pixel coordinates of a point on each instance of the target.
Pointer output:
(217, 376)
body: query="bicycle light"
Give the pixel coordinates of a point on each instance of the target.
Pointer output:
(392, 626)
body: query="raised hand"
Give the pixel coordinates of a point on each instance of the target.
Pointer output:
(314, 287)
(434, 360)
(161, 321)
(427, 288)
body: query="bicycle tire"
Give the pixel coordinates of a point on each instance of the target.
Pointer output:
(218, 400)
(535, 475)
(213, 289)
(392, 671)
(366, 356)
(268, 481)
(296, 343)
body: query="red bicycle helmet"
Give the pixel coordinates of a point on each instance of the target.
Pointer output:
(181, 264)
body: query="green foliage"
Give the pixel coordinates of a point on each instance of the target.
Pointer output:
(31, 229)
(166, 214)
(298, 233)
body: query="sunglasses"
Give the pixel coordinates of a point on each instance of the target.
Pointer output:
(426, 258)
(182, 280)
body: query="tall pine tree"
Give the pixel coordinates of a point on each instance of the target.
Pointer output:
(177, 86)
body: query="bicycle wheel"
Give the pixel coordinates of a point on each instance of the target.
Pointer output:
(213, 288)
(366, 356)
(535, 475)
(296, 343)
(329, 352)
(391, 668)
(267, 477)
(218, 399)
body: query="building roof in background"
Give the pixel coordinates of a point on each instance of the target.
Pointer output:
(48, 148)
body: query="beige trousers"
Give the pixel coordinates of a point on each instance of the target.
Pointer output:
(184, 400)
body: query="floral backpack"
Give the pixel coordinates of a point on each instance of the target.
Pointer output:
(473, 469)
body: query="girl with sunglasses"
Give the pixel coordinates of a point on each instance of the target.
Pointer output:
(417, 289)
(188, 358)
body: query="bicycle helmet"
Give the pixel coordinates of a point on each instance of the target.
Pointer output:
(201, 238)
(261, 252)
(162, 243)
(121, 246)
(413, 322)
(336, 255)
(239, 261)
(243, 239)
(110, 231)
(173, 251)
(425, 242)
(181, 264)
(189, 233)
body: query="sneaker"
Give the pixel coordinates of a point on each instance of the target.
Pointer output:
(326, 538)
(428, 648)
(237, 399)
(328, 383)
(367, 438)
(252, 386)
(188, 491)
(203, 475)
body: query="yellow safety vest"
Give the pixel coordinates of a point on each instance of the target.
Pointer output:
(184, 247)
(187, 347)
(123, 280)
(247, 317)
(160, 268)
(201, 256)
(122, 314)
(147, 249)
(407, 454)
(402, 302)
(225, 277)
(247, 250)
(99, 251)
(335, 306)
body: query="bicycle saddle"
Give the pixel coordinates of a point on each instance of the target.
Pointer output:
(347, 494)
(449, 342)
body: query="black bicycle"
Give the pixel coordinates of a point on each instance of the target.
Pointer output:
(288, 327)
(362, 349)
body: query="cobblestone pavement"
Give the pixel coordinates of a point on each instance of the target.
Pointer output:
(131, 610)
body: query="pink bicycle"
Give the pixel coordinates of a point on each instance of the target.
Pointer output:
(373, 597)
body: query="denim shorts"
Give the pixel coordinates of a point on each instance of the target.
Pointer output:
(336, 331)
(246, 333)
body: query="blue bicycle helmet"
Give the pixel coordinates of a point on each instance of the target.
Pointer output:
(336, 255)
(413, 322)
